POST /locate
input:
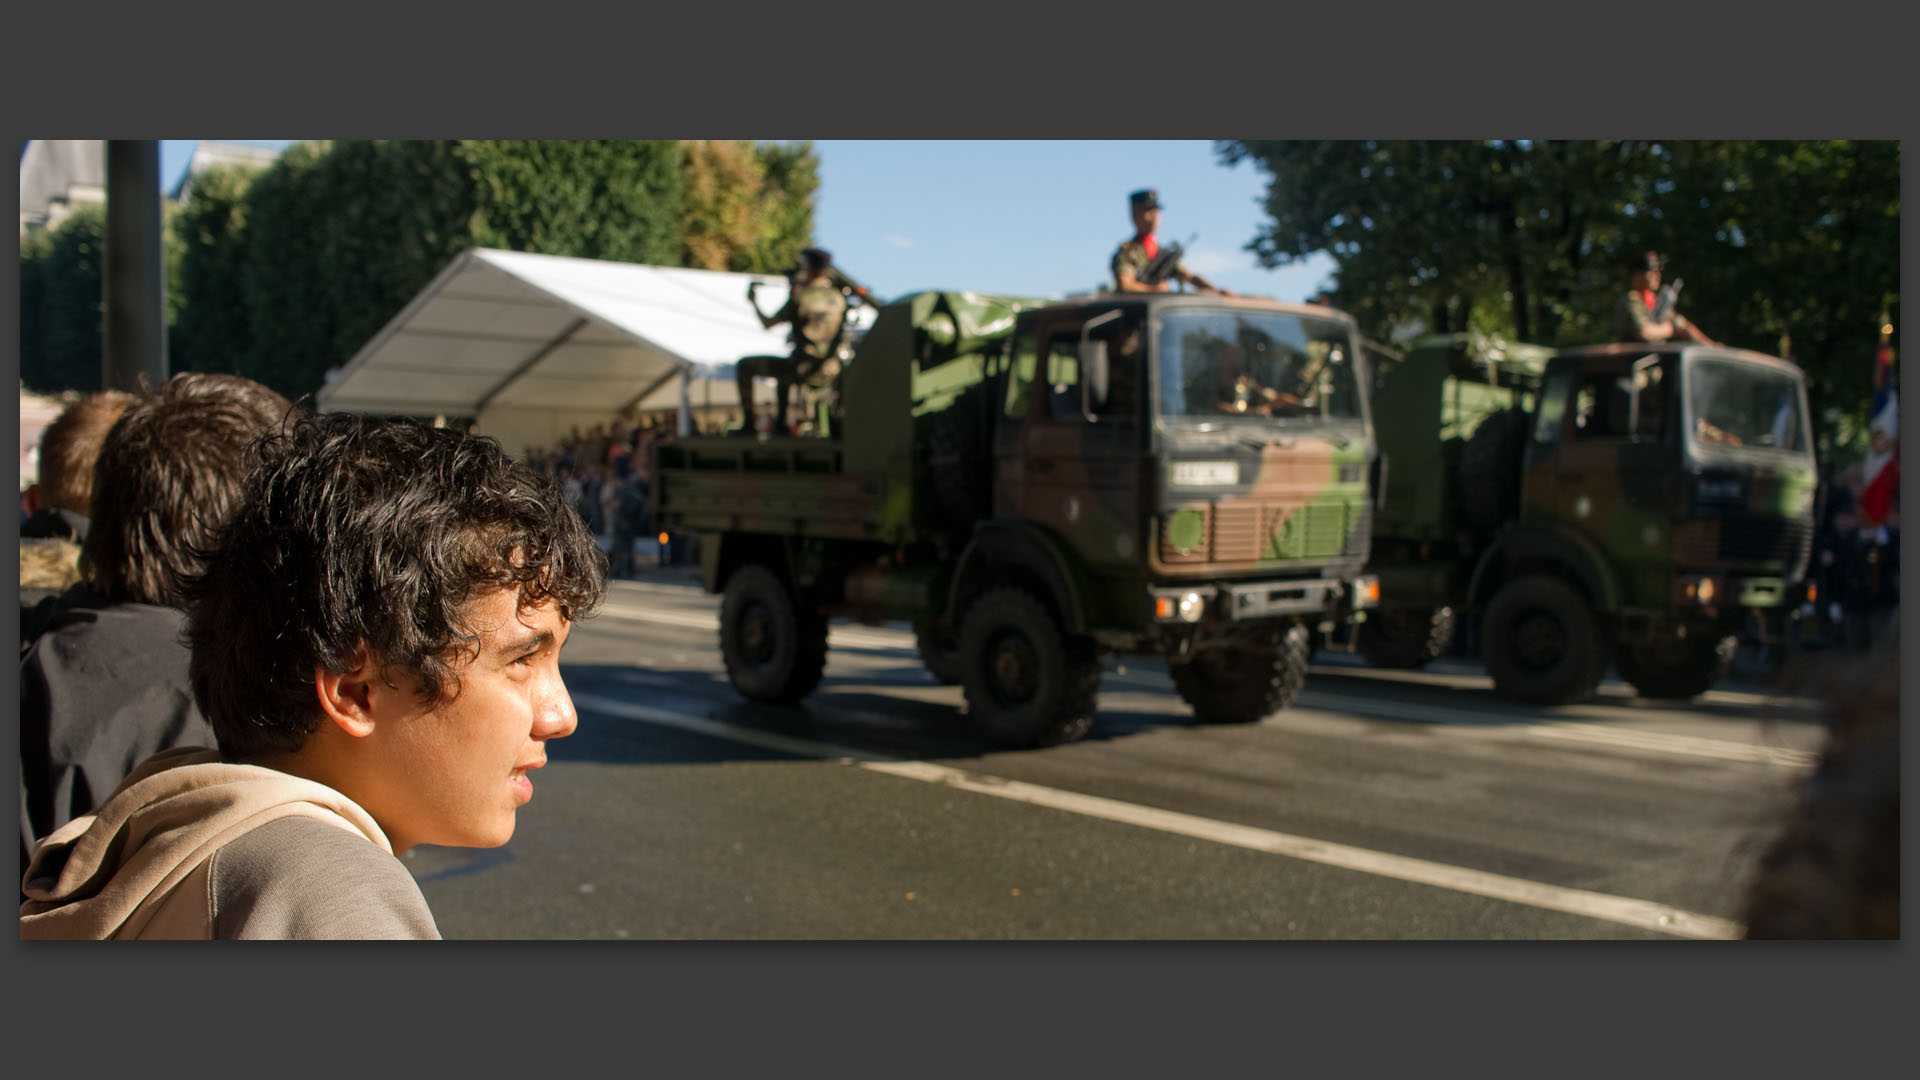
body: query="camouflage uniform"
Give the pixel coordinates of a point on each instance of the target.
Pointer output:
(815, 312)
(1631, 316)
(1133, 258)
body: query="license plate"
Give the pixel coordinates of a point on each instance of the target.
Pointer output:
(1194, 473)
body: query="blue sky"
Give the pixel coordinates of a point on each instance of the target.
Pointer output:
(1029, 218)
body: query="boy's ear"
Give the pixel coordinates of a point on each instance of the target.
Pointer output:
(346, 697)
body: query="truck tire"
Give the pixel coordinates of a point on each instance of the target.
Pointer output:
(1405, 637)
(1542, 643)
(1490, 470)
(940, 652)
(774, 646)
(1679, 669)
(1244, 682)
(1026, 682)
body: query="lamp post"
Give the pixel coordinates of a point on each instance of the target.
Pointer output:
(134, 275)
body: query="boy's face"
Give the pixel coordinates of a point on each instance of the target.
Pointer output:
(455, 773)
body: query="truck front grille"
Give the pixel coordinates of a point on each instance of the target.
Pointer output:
(1256, 532)
(1742, 537)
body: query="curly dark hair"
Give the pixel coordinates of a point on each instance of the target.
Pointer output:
(381, 533)
(167, 477)
(1833, 870)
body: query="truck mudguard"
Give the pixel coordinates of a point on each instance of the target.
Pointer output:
(1032, 549)
(1538, 543)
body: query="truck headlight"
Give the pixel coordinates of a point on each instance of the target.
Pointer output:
(1366, 592)
(1185, 607)
(1192, 606)
(1699, 589)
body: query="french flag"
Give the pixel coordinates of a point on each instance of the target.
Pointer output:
(1882, 473)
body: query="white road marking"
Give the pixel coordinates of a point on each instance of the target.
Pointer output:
(1593, 734)
(861, 637)
(1642, 914)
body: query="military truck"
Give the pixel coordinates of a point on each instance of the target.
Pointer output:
(1612, 506)
(1035, 484)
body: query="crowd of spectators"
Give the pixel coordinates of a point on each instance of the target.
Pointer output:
(604, 474)
(1855, 571)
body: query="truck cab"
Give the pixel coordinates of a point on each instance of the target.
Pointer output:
(1614, 506)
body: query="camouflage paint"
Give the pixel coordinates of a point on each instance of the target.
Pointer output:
(1298, 505)
(1626, 505)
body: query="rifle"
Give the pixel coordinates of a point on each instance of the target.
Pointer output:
(855, 290)
(1663, 306)
(1162, 265)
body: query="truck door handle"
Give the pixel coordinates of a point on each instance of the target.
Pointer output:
(1040, 465)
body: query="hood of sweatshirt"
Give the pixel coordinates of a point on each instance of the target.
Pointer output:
(102, 875)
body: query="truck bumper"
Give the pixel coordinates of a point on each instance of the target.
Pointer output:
(1253, 600)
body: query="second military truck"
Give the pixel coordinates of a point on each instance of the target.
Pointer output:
(1618, 506)
(1034, 484)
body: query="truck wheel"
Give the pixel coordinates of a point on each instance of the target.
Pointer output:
(1027, 684)
(1405, 637)
(1541, 643)
(1247, 680)
(1490, 470)
(775, 648)
(940, 651)
(1683, 668)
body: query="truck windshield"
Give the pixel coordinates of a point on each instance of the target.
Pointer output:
(1220, 364)
(1732, 403)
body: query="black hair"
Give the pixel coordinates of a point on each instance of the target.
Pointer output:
(380, 533)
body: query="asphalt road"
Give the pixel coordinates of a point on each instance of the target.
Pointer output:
(1384, 805)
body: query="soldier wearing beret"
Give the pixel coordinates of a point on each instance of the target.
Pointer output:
(1134, 255)
(1633, 314)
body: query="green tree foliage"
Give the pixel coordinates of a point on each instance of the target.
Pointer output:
(1529, 239)
(282, 274)
(590, 199)
(749, 207)
(339, 237)
(60, 303)
(786, 206)
(1790, 238)
(213, 332)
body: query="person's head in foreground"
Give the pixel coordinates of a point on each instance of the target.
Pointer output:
(376, 637)
(1833, 871)
(168, 475)
(385, 614)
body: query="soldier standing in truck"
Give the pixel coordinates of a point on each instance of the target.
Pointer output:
(1133, 256)
(1633, 313)
(816, 308)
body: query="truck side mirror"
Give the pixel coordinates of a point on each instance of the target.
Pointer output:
(1093, 376)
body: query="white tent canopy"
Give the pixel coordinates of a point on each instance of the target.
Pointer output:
(533, 345)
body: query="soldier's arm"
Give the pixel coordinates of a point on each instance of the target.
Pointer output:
(1197, 281)
(785, 314)
(1684, 326)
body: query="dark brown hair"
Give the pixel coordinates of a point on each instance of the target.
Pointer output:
(168, 477)
(379, 533)
(1834, 869)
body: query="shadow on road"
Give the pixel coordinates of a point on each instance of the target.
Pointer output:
(1613, 702)
(856, 718)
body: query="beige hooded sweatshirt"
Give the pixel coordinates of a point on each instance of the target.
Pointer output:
(144, 864)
